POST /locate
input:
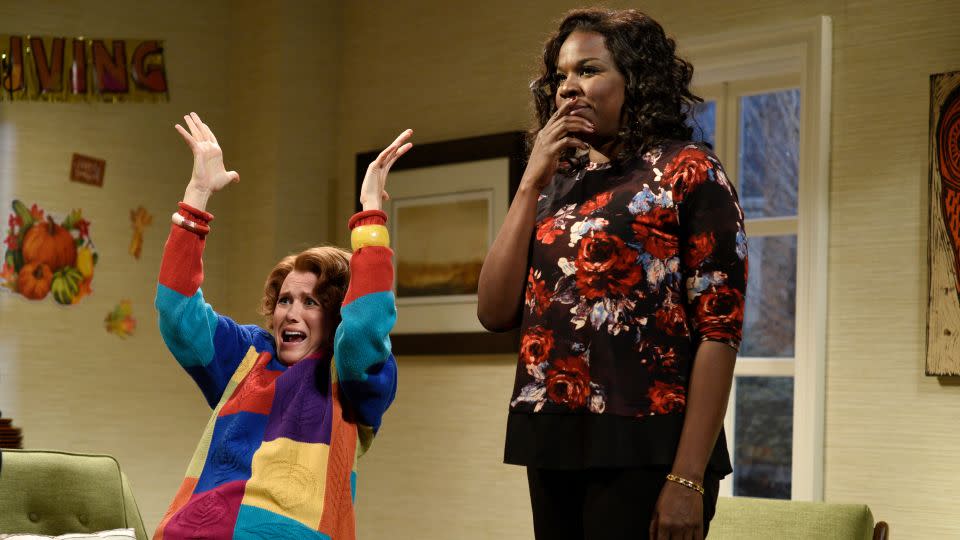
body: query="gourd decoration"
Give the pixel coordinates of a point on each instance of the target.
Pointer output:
(66, 284)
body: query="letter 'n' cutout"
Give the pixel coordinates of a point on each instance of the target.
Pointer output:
(110, 72)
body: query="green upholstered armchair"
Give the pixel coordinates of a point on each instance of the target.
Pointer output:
(53, 493)
(744, 518)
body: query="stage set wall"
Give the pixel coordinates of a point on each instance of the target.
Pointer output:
(296, 89)
(263, 82)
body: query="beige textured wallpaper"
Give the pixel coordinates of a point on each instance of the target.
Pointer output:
(65, 381)
(435, 469)
(282, 97)
(300, 89)
(891, 432)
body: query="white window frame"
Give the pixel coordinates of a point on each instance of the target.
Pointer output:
(755, 61)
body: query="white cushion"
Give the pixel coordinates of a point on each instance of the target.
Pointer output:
(114, 534)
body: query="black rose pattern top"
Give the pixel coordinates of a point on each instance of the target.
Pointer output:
(631, 267)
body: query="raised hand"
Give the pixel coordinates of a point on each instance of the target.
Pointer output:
(372, 192)
(209, 174)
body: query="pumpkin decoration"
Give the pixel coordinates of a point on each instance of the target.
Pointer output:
(66, 284)
(34, 280)
(50, 244)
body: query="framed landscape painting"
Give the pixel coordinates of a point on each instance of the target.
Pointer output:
(438, 264)
(447, 202)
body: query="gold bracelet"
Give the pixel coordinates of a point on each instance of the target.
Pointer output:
(686, 483)
(369, 235)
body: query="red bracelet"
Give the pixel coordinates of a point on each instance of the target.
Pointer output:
(192, 226)
(189, 211)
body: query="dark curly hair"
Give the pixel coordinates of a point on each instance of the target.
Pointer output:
(657, 97)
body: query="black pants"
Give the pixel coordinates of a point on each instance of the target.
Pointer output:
(602, 504)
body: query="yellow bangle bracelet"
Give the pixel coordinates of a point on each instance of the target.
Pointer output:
(369, 235)
(686, 483)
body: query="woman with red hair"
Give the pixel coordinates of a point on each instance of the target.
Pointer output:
(293, 405)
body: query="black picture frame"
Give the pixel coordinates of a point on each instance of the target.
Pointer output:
(510, 145)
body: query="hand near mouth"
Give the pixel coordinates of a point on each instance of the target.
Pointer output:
(578, 109)
(557, 138)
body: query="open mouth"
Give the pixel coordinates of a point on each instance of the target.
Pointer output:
(292, 336)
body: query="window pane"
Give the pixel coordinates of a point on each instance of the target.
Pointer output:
(763, 438)
(704, 122)
(769, 153)
(770, 311)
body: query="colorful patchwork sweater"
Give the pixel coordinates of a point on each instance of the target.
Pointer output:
(278, 456)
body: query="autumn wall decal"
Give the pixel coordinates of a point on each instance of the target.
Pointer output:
(121, 322)
(46, 257)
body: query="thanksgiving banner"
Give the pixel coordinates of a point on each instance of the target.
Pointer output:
(81, 69)
(45, 256)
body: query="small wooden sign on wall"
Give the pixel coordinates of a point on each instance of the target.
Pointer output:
(87, 170)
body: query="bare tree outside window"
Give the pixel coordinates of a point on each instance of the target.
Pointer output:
(767, 182)
(769, 154)
(770, 313)
(762, 460)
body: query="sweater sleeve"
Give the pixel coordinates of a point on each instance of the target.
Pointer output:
(207, 345)
(366, 368)
(713, 247)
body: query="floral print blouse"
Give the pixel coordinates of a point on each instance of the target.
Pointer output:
(631, 267)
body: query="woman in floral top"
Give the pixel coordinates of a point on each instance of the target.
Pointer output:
(623, 260)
